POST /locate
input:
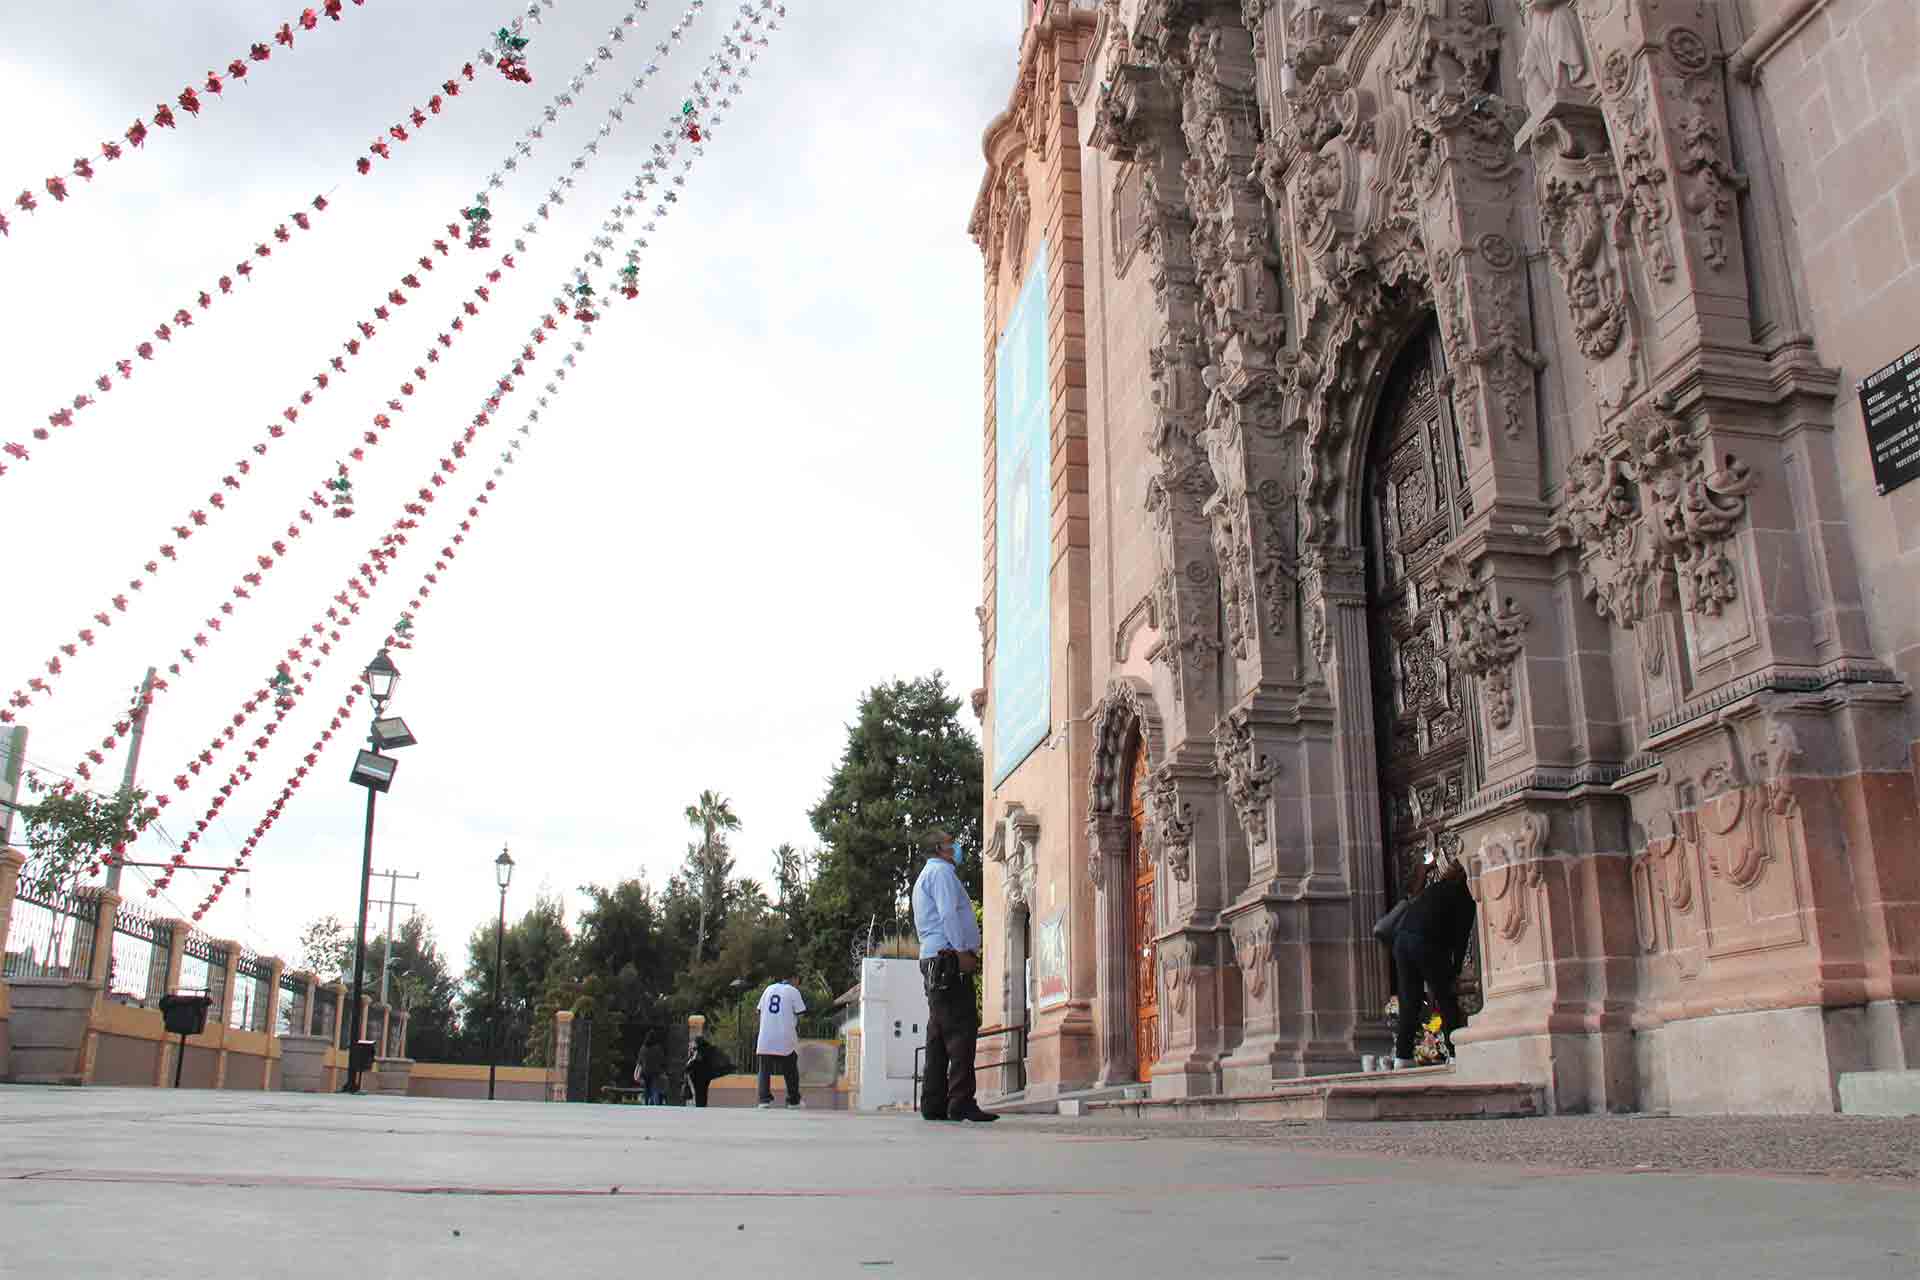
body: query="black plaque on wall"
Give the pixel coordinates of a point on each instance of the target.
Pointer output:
(1890, 402)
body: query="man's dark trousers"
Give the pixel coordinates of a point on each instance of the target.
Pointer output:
(788, 1065)
(953, 1025)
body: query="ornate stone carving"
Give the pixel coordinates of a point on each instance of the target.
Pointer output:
(1775, 763)
(1124, 717)
(1253, 952)
(1015, 208)
(1248, 775)
(1486, 635)
(1179, 970)
(1578, 208)
(1711, 182)
(1317, 30)
(1170, 825)
(1733, 854)
(1653, 514)
(1673, 853)
(1509, 867)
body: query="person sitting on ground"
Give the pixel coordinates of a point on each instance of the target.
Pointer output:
(1429, 946)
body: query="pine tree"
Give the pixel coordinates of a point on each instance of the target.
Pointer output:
(910, 767)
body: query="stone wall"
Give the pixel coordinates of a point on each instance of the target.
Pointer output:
(1650, 246)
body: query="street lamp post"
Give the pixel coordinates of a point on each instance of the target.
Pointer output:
(374, 771)
(502, 872)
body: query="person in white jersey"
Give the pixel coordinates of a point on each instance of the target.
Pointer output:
(780, 1008)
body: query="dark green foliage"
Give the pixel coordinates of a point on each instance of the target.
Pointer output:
(909, 767)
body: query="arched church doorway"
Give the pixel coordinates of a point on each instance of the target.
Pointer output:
(1417, 501)
(1145, 990)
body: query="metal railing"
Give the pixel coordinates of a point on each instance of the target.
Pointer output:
(250, 994)
(203, 967)
(141, 942)
(326, 1008)
(1016, 1039)
(293, 1006)
(51, 935)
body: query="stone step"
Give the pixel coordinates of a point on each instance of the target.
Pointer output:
(1880, 1093)
(1400, 1096)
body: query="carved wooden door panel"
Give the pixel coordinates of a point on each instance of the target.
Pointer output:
(1146, 991)
(1429, 759)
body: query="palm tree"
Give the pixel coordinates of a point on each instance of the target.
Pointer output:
(710, 814)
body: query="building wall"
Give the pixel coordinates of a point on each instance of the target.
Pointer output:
(1657, 245)
(1839, 102)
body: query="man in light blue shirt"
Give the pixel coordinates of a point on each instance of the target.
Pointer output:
(949, 961)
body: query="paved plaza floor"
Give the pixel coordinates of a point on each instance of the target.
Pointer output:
(125, 1183)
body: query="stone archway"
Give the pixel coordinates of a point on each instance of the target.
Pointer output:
(1128, 742)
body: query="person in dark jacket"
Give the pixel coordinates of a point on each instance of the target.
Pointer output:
(652, 1070)
(704, 1062)
(1429, 946)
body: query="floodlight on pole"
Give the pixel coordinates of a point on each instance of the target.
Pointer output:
(373, 771)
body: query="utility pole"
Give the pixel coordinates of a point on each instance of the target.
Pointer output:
(139, 719)
(393, 890)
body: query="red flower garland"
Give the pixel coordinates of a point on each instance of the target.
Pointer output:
(189, 101)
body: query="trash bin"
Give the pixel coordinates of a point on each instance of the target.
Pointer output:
(185, 1015)
(360, 1056)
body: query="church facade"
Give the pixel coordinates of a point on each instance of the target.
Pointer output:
(1422, 430)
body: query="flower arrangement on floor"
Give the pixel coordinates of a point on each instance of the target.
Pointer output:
(1430, 1049)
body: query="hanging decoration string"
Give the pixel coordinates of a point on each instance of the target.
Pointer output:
(379, 557)
(335, 493)
(58, 187)
(402, 635)
(183, 318)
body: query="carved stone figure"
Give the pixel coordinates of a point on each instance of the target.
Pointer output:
(1554, 64)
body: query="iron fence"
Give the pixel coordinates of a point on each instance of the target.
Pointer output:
(51, 934)
(203, 967)
(138, 969)
(293, 1006)
(250, 993)
(326, 1008)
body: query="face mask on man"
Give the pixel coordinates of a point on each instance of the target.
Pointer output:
(959, 853)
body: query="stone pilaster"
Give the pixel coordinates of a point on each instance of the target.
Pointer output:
(10, 864)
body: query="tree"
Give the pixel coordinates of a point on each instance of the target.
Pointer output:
(423, 986)
(536, 951)
(713, 817)
(910, 767)
(73, 832)
(326, 948)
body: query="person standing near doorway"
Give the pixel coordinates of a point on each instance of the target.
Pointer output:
(949, 961)
(1429, 946)
(779, 1044)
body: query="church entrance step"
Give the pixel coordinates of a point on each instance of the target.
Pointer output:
(1341, 1098)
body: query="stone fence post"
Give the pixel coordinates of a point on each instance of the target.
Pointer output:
(558, 1071)
(100, 971)
(221, 1014)
(274, 967)
(10, 864)
(333, 1031)
(177, 931)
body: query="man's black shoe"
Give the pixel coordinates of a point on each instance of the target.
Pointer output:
(939, 1118)
(977, 1116)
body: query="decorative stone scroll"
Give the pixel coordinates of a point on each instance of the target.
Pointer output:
(1248, 775)
(1652, 513)
(1486, 635)
(1170, 825)
(1508, 868)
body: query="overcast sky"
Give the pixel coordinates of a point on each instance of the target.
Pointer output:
(758, 496)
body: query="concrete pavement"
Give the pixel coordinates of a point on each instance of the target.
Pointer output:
(121, 1183)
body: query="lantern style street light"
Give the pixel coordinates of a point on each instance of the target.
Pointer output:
(374, 771)
(503, 873)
